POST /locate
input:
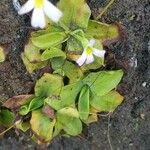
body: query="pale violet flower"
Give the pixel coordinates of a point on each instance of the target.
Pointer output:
(40, 9)
(89, 52)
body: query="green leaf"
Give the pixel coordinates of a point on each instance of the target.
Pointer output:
(67, 97)
(49, 84)
(57, 63)
(34, 104)
(107, 102)
(41, 125)
(2, 54)
(77, 41)
(73, 72)
(83, 104)
(32, 66)
(102, 31)
(49, 29)
(6, 117)
(69, 118)
(49, 39)
(102, 82)
(75, 14)
(51, 53)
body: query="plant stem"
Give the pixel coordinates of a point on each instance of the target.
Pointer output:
(105, 9)
(10, 127)
(7, 130)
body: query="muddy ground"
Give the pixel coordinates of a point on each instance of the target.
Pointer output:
(129, 127)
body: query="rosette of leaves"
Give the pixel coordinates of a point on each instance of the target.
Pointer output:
(59, 109)
(59, 106)
(67, 39)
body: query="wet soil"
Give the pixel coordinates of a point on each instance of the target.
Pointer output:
(129, 125)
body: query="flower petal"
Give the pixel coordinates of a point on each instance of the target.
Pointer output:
(82, 59)
(99, 53)
(51, 11)
(89, 59)
(38, 18)
(92, 42)
(27, 7)
(16, 5)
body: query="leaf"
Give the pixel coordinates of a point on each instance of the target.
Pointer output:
(76, 14)
(41, 125)
(49, 39)
(73, 127)
(72, 71)
(102, 82)
(6, 117)
(51, 53)
(67, 96)
(102, 31)
(57, 129)
(32, 66)
(92, 117)
(69, 118)
(2, 54)
(49, 84)
(49, 29)
(83, 104)
(77, 41)
(34, 104)
(69, 112)
(24, 126)
(32, 53)
(17, 101)
(57, 63)
(108, 102)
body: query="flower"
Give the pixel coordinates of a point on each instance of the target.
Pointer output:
(40, 9)
(89, 51)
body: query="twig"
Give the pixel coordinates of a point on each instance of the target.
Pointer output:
(105, 9)
(10, 127)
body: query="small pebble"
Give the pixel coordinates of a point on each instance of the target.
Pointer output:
(144, 84)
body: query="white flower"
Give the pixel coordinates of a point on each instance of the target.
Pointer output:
(89, 51)
(40, 9)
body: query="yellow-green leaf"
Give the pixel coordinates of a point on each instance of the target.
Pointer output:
(108, 102)
(49, 39)
(49, 84)
(69, 118)
(24, 126)
(32, 66)
(32, 53)
(76, 13)
(42, 126)
(102, 31)
(51, 53)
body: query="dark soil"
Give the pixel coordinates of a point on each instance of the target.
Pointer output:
(129, 125)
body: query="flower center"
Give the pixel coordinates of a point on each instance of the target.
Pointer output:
(38, 3)
(89, 51)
